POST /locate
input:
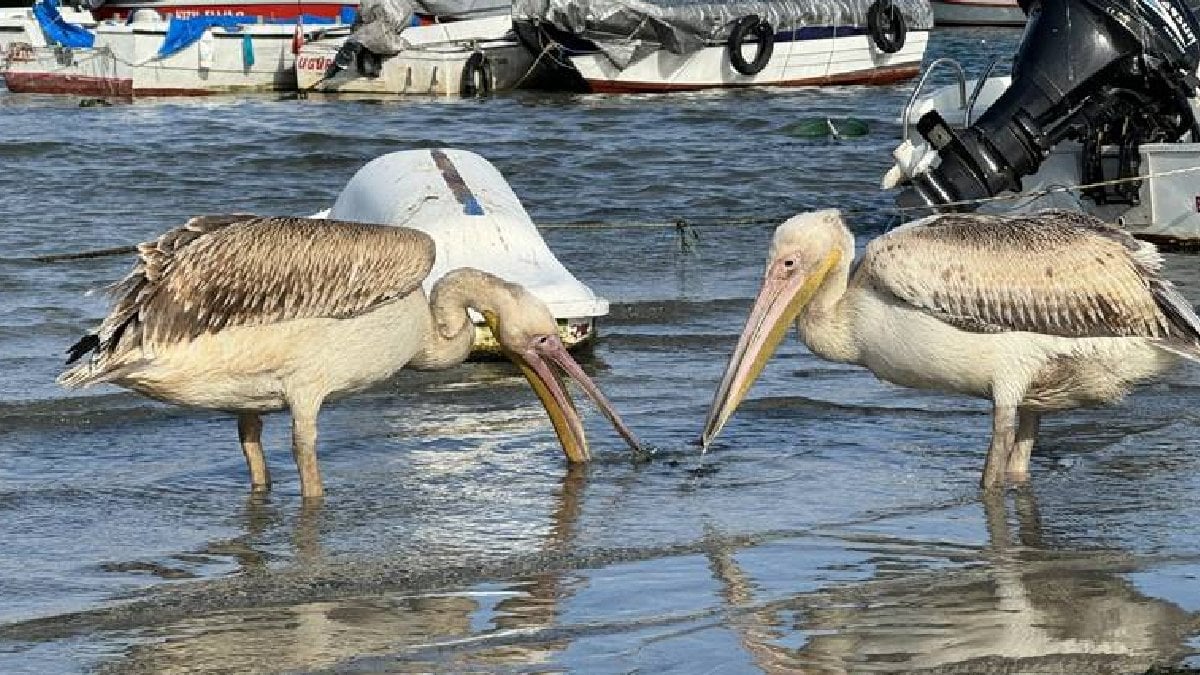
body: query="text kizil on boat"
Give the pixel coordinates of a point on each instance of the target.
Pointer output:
(673, 45)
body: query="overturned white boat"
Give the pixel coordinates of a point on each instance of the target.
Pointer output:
(475, 219)
(1100, 115)
(673, 45)
(474, 57)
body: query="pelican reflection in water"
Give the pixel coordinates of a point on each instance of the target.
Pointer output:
(254, 314)
(1037, 313)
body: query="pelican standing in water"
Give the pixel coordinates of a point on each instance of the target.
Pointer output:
(250, 315)
(1037, 313)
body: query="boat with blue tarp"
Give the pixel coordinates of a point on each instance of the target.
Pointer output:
(150, 55)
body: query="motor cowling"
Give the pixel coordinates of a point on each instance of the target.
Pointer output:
(1084, 69)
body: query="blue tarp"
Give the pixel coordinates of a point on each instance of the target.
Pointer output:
(56, 28)
(183, 32)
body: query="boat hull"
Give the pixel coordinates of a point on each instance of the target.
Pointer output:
(851, 59)
(433, 65)
(186, 9)
(259, 58)
(977, 13)
(475, 220)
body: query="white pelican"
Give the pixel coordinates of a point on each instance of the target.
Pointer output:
(250, 315)
(1037, 313)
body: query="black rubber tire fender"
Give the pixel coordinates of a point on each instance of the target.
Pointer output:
(886, 26)
(764, 35)
(476, 76)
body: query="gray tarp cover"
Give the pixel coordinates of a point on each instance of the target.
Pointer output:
(381, 21)
(627, 30)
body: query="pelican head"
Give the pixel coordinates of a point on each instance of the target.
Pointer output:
(803, 252)
(528, 335)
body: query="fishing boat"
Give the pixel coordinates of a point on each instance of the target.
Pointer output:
(678, 45)
(476, 220)
(152, 56)
(474, 57)
(1112, 130)
(977, 13)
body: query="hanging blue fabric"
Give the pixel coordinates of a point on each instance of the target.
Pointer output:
(183, 32)
(247, 50)
(56, 28)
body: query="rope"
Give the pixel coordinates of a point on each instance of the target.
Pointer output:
(545, 50)
(686, 229)
(1053, 189)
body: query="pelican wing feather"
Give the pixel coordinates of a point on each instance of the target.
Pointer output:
(1055, 272)
(216, 272)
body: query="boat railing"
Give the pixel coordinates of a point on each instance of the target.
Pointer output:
(987, 73)
(959, 73)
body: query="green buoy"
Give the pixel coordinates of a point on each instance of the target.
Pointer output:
(820, 127)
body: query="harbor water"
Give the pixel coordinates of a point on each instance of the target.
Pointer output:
(836, 526)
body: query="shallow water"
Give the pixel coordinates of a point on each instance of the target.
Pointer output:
(835, 527)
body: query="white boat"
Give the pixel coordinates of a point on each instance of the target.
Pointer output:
(977, 13)
(461, 58)
(669, 45)
(476, 220)
(19, 26)
(1162, 206)
(125, 60)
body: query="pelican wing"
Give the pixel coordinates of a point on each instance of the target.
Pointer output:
(1055, 272)
(223, 271)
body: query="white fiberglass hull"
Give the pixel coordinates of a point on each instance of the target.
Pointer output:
(852, 59)
(123, 63)
(432, 65)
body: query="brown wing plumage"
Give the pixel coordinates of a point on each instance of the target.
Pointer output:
(1055, 272)
(216, 272)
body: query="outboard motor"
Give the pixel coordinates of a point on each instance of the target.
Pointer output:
(1095, 71)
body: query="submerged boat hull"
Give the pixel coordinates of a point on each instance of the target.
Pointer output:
(475, 219)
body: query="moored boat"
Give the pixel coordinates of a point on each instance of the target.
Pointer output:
(625, 46)
(150, 56)
(461, 58)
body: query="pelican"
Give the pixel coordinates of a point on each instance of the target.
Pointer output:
(254, 314)
(1038, 313)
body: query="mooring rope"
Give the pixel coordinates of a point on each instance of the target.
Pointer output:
(686, 228)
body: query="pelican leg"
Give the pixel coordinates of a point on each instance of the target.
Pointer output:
(1004, 432)
(304, 448)
(1027, 431)
(250, 435)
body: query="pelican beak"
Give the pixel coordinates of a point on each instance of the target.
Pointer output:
(785, 291)
(536, 360)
